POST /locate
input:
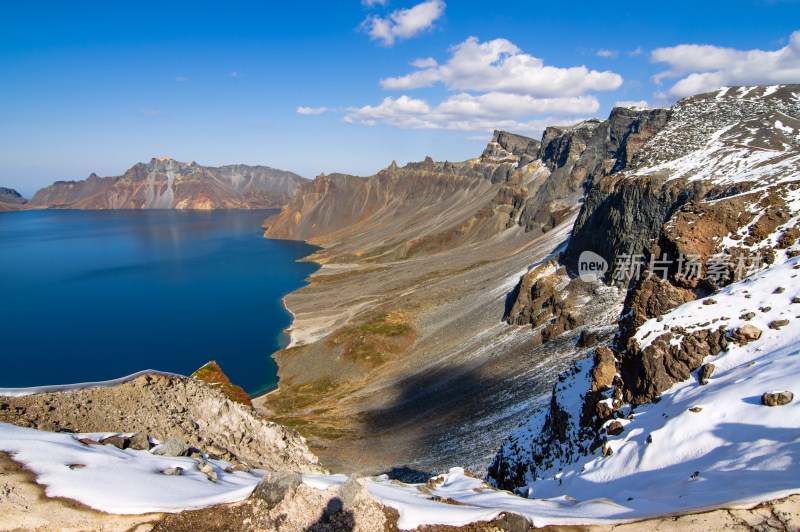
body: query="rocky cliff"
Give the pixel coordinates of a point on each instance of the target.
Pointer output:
(419, 263)
(11, 200)
(580, 154)
(165, 183)
(420, 209)
(517, 181)
(709, 199)
(715, 145)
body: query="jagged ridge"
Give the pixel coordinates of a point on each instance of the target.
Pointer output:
(165, 183)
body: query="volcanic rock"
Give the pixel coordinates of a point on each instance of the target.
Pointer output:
(745, 334)
(274, 487)
(777, 398)
(174, 447)
(706, 370)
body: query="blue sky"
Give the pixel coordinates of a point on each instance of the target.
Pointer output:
(348, 86)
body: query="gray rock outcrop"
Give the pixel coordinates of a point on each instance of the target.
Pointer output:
(177, 410)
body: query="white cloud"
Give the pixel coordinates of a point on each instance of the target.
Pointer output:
(499, 65)
(373, 3)
(708, 67)
(150, 112)
(181, 78)
(641, 104)
(636, 52)
(610, 54)
(427, 62)
(311, 110)
(494, 85)
(466, 112)
(403, 23)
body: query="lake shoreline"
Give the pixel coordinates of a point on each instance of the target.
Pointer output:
(118, 290)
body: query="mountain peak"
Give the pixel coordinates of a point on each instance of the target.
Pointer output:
(506, 147)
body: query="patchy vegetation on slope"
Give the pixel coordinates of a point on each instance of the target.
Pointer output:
(212, 375)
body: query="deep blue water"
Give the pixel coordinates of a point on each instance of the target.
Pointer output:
(97, 295)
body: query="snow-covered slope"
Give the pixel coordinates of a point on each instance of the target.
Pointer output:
(699, 446)
(732, 135)
(121, 481)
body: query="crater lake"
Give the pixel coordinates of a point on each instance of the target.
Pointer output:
(98, 295)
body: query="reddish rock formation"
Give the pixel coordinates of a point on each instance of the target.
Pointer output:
(212, 374)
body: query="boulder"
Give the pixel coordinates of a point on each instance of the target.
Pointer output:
(777, 398)
(605, 369)
(174, 447)
(274, 487)
(512, 523)
(745, 334)
(116, 441)
(208, 469)
(705, 373)
(350, 492)
(587, 339)
(777, 324)
(237, 468)
(139, 442)
(615, 428)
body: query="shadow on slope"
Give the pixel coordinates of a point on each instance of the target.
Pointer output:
(439, 414)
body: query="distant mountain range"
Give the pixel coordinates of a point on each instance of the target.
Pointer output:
(165, 183)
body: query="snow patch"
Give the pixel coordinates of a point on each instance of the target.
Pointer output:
(120, 481)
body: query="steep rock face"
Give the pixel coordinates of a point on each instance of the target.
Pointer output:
(11, 200)
(330, 205)
(580, 154)
(578, 157)
(541, 444)
(713, 197)
(509, 147)
(546, 297)
(517, 181)
(714, 145)
(417, 266)
(165, 183)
